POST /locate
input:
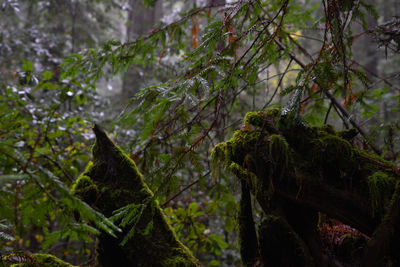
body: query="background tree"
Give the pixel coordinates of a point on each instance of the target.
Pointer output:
(141, 20)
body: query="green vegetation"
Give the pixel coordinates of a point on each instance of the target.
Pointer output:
(231, 126)
(38, 260)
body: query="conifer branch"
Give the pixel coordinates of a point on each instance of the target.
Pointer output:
(334, 100)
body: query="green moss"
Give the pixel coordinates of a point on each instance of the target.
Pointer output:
(279, 153)
(113, 176)
(380, 187)
(244, 174)
(237, 154)
(85, 188)
(263, 119)
(218, 152)
(255, 118)
(241, 143)
(244, 141)
(298, 135)
(88, 167)
(218, 158)
(177, 261)
(322, 146)
(337, 147)
(273, 112)
(331, 152)
(366, 155)
(327, 128)
(234, 149)
(41, 260)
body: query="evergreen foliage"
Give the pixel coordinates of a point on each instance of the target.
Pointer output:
(281, 64)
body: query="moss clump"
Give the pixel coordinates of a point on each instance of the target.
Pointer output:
(369, 161)
(218, 153)
(380, 187)
(242, 142)
(233, 150)
(218, 159)
(41, 260)
(245, 141)
(281, 246)
(273, 112)
(327, 128)
(331, 151)
(255, 118)
(86, 189)
(243, 174)
(297, 134)
(177, 262)
(263, 119)
(279, 153)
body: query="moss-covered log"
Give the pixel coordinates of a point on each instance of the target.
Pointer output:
(113, 182)
(298, 171)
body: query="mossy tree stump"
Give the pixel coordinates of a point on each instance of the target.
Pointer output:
(295, 171)
(112, 182)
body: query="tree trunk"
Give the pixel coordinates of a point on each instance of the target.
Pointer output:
(141, 20)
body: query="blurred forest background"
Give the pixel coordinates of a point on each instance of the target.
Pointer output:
(169, 80)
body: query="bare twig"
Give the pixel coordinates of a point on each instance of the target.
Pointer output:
(279, 84)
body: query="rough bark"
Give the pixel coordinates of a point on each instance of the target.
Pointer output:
(112, 182)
